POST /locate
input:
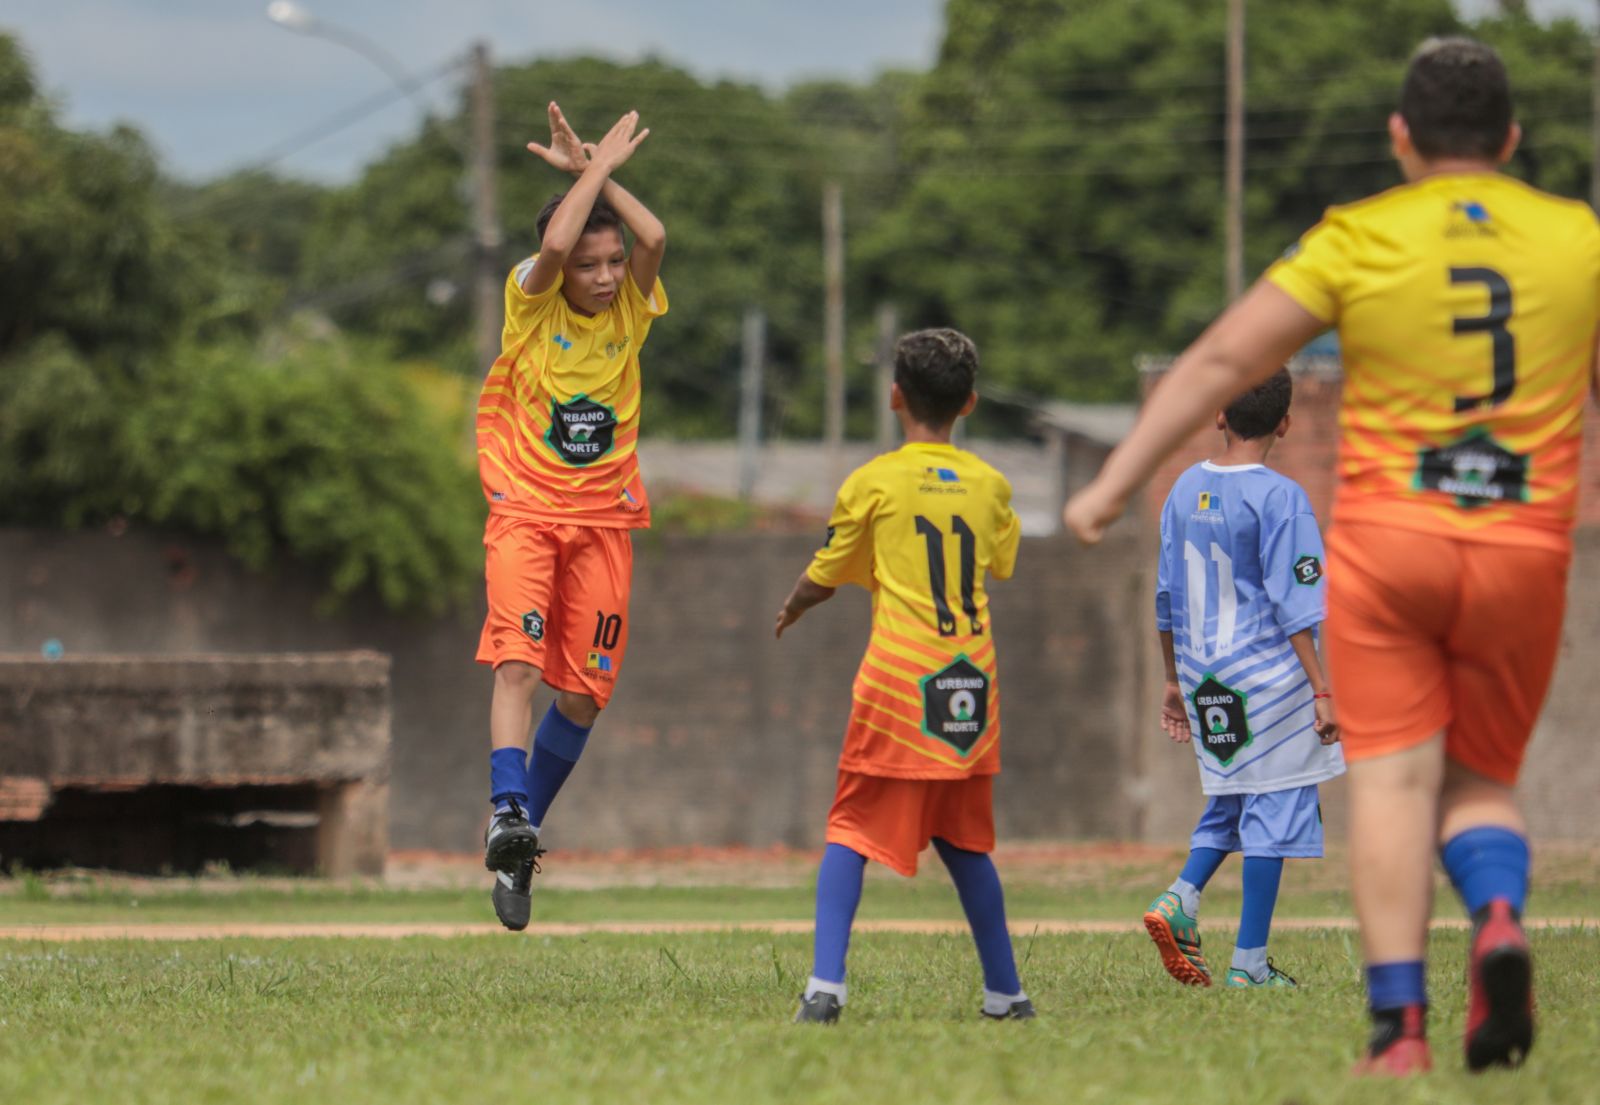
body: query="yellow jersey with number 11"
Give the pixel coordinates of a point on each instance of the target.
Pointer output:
(921, 528)
(1466, 306)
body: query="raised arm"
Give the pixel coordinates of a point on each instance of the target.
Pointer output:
(566, 225)
(567, 153)
(1246, 345)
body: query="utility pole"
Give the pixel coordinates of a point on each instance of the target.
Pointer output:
(750, 380)
(487, 277)
(1235, 151)
(833, 327)
(888, 323)
(1594, 119)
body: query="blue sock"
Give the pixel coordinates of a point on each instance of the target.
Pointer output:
(557, 744)
(838, 894)
(978, 884)
(1201, 865)
(1261, 877)
(1488, 863)
(1395, 985)
(508, 776)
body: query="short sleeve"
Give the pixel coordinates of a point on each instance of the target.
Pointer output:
(642, 309)
(1164, 573)
(1292, 570)
(1314, 270)
(524, 311)
(846, 555)
(1007, 534)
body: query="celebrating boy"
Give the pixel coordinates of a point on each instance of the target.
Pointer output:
(558, 422)
(920, 528)
(1239, 595)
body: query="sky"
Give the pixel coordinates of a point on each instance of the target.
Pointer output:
(216, 85)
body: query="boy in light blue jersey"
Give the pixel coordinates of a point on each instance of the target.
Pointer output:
(1239, 596)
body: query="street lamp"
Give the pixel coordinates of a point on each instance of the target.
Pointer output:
(480, 160)
(295, 17)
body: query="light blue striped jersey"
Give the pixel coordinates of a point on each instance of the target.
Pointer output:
(1241, 571)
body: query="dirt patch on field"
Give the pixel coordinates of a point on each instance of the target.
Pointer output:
(403, 930)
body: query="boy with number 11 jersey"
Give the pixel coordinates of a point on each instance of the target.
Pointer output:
(920, 528)
(1239, 595)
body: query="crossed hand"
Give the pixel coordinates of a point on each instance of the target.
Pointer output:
(570, 155)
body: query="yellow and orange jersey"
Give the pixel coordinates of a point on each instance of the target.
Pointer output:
(921, 528)
(1466, 306)
(558, 419)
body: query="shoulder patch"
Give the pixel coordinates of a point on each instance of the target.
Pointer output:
(1307, 571)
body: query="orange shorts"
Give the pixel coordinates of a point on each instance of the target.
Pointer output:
(1428, 633)
(558, 599)
(893, 820)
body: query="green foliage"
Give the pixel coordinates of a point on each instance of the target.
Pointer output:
(315, 455)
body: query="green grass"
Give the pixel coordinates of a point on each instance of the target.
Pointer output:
(1117, 894)
(703, 1019)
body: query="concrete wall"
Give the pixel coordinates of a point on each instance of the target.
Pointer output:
(718, 734)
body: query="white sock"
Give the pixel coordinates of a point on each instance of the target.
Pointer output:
(815, 986)
(998, 1005)
(1189, 894)
(1252, 961)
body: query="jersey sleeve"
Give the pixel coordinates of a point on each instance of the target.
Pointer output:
(1314, 271)
(642, 309)
(1007, 533)
(524, 311)
(1164, 571)
(846, 555)
(1292, 565)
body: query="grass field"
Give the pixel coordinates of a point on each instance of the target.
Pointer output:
(702, 1017)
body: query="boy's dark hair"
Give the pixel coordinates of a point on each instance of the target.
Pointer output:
(1258, 411)
(1456, 99)
(601, 216)
(935, 370)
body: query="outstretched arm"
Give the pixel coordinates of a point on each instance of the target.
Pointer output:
(1246, 345)
(567, 153)
(566, 225)
(805, 595)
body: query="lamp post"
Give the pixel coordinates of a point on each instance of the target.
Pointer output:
(485, 219)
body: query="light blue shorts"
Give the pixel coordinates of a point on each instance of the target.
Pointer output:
(1283, 823)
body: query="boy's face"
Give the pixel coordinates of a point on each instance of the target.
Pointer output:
(593, 274)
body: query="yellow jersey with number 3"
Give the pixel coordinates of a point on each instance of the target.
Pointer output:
(1466, 306)
(921, 528)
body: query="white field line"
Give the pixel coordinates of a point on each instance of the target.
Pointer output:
(53, 933)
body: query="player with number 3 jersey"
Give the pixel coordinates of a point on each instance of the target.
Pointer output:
(1467, 306)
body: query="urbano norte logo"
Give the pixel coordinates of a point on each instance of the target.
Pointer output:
(581, 431)
(1476, 470)
(533, 625)
(955, 705)
(1224, 723)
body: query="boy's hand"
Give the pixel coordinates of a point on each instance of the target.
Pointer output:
(1174, 718)
(565, 152)
(619, 143)
(1326, 724)
(787, 617)
(1090, 512)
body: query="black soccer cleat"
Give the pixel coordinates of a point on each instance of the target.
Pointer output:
(819, 1008)
(509, 839)
(1017, 1011)
(513, 893)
